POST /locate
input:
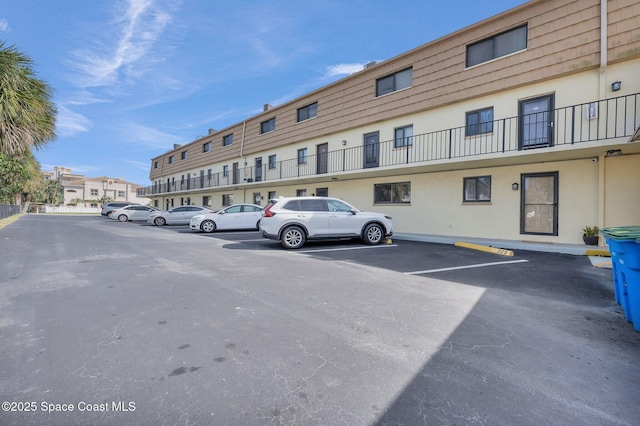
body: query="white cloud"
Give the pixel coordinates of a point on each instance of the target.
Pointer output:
(137, 134)
(139, 25)
(69, 123)
(344, 69)
(4, 26)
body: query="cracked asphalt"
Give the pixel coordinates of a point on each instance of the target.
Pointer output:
(109, 323)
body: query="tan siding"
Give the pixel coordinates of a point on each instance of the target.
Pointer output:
(563, 38)
(624, 30)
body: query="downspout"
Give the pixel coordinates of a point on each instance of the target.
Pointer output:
(602, 94)
(603, 48)
(244, 126)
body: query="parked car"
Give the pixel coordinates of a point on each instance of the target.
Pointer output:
(237, 216)
(294, 220)
(176, 216)
(132, 212)
(107, 208)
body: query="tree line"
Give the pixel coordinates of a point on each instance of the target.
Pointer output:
(27, 124)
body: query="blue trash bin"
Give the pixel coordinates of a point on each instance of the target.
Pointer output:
(625, 261)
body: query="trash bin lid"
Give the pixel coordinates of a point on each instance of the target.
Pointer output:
(622, 232)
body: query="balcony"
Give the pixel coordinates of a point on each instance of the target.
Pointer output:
(614, 118)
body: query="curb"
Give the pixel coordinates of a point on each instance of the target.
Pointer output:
(501, 252)
(6, 221)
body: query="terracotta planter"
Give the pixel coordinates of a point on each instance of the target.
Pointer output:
(591, 240)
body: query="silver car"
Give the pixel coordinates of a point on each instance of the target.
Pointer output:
(237, 216)
(132, 212)
(295, 220)
(176, 216)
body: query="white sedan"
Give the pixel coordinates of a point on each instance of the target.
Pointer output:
(131, 212)
(237, 216)
(176, 216)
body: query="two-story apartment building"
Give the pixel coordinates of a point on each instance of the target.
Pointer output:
(524, 126)
(77, 187)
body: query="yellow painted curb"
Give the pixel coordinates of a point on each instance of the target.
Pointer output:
(501, 252)
(10, 219)
(598, 252)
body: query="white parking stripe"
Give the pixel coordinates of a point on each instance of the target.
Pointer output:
(479, 265)
(346, 248)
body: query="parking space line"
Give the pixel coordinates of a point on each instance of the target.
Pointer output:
(479, 265)
(346, 248)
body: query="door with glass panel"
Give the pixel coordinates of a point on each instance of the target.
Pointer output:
(539, 204)
(371, 150)
(322, 154)
(258, 169)
(535, 124)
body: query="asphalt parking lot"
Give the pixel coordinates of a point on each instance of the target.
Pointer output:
(230, 328)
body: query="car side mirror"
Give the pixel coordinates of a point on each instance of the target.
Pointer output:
(353, 212)
(221, 212)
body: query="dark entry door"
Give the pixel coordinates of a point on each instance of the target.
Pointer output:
(371, 150)
(322, 152)
(536, 122)
(258, 169)
(236, 173)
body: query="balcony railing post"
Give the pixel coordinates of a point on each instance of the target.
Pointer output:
(450, 142)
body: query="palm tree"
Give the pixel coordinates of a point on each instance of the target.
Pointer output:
(27, 114)
(76, 201)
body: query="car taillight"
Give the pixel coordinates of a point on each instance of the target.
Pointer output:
(268, 212)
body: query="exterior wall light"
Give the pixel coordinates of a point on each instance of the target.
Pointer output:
(614, 153)
(615, 86)
(515, 186)
(344, 142)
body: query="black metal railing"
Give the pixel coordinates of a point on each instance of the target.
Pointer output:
(593, 121)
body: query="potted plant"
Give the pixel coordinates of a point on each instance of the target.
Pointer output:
(590, 235)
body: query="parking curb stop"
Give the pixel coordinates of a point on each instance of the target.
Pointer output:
(501, 252)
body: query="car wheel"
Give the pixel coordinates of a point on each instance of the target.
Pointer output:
(123, 218)
(373, 234)
(293, 237)
(208, 226)
(159, 221)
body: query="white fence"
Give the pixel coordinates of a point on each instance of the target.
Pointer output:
(69, 209)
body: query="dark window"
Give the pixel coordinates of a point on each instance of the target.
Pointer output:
(477, 189)
(322, 192)
(394, 82)
(301, 192)
(403, 136)
(399, 193)
(271, 195)
(206, 147)
(155, 165)
(225, 171)
(310, 111)
(227, 199)
(315, 205)
(499, 45)
(268, 126)
(302, 156)
(227, 140)
(171, 159)
(183, 155)
(272, 161)
(479, 122)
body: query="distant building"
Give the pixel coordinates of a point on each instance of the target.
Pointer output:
(90, 190)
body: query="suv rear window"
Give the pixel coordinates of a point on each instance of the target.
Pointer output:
(306, 205)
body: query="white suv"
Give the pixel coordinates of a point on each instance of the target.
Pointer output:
(294, 220)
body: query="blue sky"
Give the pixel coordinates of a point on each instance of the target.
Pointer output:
(133, 77)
